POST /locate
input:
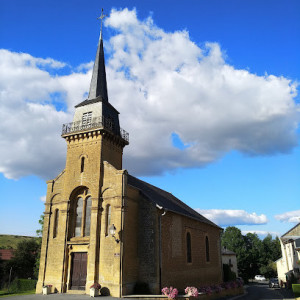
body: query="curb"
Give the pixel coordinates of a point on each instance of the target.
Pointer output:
(242, 295)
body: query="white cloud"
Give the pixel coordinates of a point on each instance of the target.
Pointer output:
(162, 83)
(43, 198)
(30, 126)
(290, 216)
(231, 217)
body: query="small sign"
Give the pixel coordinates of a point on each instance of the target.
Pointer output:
(117, 255)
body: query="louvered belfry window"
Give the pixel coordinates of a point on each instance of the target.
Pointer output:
(87, 118)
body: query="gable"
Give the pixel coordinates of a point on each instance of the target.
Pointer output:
(295, 231)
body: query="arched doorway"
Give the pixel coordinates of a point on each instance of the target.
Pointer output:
(78, 235)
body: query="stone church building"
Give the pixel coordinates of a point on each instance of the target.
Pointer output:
(104, 225)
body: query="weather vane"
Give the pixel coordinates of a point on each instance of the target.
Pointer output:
(101, 17)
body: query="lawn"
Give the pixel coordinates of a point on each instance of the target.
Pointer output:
(4, 293)
(11, 241)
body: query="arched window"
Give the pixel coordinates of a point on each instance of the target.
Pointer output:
(55, 224)
(207, 248)
(79, 213)
(82, 164)
(188, 248)
(107, 218)
(81, 207)
(88, 216)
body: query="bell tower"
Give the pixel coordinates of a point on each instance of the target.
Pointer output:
(75, 249)
(94, 139)
(94, 135)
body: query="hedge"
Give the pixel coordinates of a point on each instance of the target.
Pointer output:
(20, 285)
(296, 289)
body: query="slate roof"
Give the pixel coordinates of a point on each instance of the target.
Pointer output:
(227, 252)
(166, 200)
(88, 101)
(98, 86)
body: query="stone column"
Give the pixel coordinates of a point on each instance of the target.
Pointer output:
(64, 237)
(93, 257)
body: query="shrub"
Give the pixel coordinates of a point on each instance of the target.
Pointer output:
(20, 285)
(227, 273)
(191, 291)
(207, 290)
(296, 289)
(170, 292)
(217, 288)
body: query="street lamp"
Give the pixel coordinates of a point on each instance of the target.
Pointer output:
(112, 232)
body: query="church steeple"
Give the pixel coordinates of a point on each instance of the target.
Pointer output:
(98, 86)
(96, 114)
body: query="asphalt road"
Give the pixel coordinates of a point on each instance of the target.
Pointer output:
(261, 291)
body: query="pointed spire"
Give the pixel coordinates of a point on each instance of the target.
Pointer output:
(98, 86)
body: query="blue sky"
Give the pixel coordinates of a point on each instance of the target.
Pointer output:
(207, 90)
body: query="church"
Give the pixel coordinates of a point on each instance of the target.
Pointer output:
(103, 225)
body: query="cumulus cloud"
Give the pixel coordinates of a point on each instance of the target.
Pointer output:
(290, 216)
(231, 217)
(30, 140)
(164, 85)
(43, 198)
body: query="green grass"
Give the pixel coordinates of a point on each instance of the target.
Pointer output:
(11, 241)
(4, 293)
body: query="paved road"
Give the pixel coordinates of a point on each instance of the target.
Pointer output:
(261, 291)
(56, 297)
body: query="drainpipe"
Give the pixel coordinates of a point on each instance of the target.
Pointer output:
(122, 232)
(159, 244)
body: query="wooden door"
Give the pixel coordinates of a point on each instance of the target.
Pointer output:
(78, 271)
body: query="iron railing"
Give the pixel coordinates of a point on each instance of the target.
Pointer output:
(97, 122)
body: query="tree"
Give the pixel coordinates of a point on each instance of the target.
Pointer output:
(269, 270)
(254, 256)
(39, 233)
(254, 248)
(24, 260)
(233, 240)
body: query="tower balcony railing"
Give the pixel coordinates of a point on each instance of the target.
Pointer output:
(94, 123)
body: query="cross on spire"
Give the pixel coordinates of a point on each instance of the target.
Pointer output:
(101, 17)
(98, 86)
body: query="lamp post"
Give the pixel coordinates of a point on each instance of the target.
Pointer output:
(112, 232)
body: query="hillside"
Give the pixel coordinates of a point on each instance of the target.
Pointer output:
(11, 241)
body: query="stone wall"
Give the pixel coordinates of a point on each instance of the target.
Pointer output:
(176, 271)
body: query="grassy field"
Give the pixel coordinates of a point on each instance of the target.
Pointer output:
(11, 241)
(4, 294)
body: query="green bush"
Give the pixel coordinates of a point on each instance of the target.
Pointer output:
(296, 290)
(20, 285)
(228, 274)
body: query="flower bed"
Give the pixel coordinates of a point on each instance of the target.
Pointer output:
(231, 288)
